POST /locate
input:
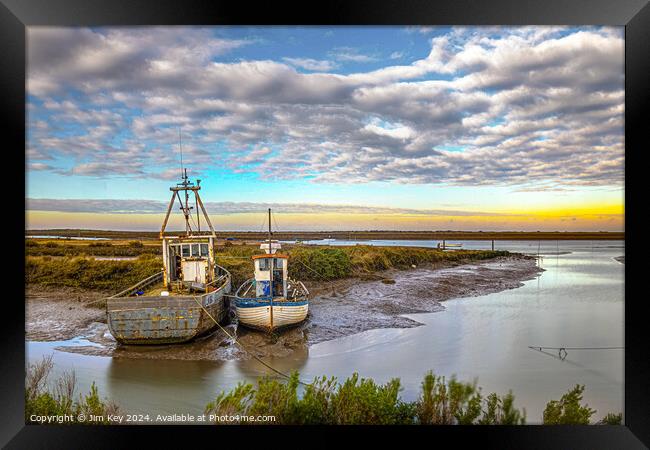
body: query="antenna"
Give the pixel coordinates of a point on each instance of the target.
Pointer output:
(180, 145)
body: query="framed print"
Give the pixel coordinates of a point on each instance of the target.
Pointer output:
(339, 219)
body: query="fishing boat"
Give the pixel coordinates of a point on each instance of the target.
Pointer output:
(446, 246)
(271, 300)
(188, 297)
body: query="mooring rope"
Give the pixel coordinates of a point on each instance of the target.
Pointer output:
(234, 339)
(535, 347)
(562, 351)
(320, 275)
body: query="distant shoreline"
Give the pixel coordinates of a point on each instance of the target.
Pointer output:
(351, 235)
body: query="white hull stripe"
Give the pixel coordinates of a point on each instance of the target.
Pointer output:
(282, 315)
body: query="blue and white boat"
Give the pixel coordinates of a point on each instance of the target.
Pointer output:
(271, 300)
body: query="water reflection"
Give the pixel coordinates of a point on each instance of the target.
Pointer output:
(162, 386)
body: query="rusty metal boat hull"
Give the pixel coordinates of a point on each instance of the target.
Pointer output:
(166, 320)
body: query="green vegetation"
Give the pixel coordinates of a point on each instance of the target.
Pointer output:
(612, 419)
(361, 401)
(328, 263)
(332, 263)
(320, 263)
(316, 263)
(569, 410)
(75, 248)
(59, 399)
(88, 273)
(71, 264)
(325, 401)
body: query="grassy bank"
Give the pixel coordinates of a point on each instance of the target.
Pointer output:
(87, 273)
(325, 401)
(316, 263)
(306, 263)
(50, 247)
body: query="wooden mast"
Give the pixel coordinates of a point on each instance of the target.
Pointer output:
(271, 274)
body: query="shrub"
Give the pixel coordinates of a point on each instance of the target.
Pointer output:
(612, 419)
(568, 410)
(363, 401)
(459, 403)
(356, 401)
(59, 400)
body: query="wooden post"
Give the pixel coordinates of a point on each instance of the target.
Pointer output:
(492, 244)
(169, 209)
(205, 214)
(211, 258)
(165, 262)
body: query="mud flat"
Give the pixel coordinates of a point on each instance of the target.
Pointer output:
(59, 314)
(338, 308)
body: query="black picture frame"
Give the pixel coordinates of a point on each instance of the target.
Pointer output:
(15, 15)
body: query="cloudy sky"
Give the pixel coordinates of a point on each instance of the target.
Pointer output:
(473, 128)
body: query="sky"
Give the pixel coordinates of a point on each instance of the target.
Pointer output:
(334, 128)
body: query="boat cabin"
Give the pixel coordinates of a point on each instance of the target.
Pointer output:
(263, 275)
(188, 261)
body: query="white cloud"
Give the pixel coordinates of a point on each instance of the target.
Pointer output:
(315, 65)
(529, 106)
(119, 206)
(348, 54)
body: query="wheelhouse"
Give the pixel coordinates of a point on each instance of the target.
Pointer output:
(263, 275)
(189, 261)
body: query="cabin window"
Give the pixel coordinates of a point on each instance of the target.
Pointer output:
(204, 249)
(195, 250)
(265, 263)
(186, 250)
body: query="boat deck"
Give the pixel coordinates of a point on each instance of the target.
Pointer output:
(157, 289)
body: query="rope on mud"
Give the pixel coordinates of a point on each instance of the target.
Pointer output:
(234, 339)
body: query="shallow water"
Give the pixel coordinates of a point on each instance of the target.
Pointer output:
(576, 302)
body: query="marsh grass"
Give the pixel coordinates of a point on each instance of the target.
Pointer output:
(327, 263)
(309, 263)
(88, 273)
(51, 248)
